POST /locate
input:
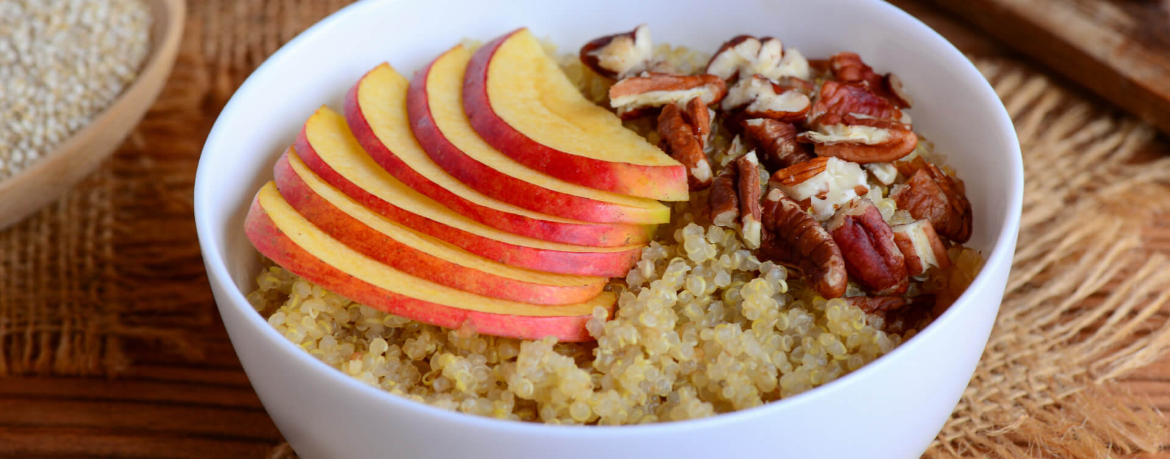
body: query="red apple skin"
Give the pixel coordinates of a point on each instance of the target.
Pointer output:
(502, 186)
(666, 183)
(273, 243)
(374, 244)
(586, 234)
(604, 264)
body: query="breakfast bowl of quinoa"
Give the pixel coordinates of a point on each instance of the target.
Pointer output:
(611, 230)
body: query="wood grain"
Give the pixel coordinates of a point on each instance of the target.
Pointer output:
(83, 151)
(1118, 49)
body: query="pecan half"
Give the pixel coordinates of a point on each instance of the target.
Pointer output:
(749, 199)
(776, 142)
(852, 100)
(619, 55)
(659, 89)
(760, 98)
(792, 237)
(861, 140)
(877, 304)
(931, 194)
(748, 55)
(867, 245)
(848, 67)
(684, 146)
(723, 200)
(822, 184)
(921, 247)
(699, 117)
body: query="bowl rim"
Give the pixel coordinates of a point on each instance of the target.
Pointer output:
(1001, 254)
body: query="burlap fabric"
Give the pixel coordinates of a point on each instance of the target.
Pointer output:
(115, 261)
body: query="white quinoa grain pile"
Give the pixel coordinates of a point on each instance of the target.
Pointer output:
(61, 63)
(702, 327)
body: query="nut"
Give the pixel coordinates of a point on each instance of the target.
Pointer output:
(884, 173)
(659, 89)
(792, 237)
(909, 316)
(867, 245)
(619, 55)
(861, 140)
(776, 142)
(921, 247)
(849, 68)
(699, 117)
(877, 304)
(749, 199)
(723, 200)
(684, 146)
(852, 100)
(748, 55)
(822, 184)
(931, 194)
(760, 98)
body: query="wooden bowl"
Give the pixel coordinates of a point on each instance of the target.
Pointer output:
(46, 179)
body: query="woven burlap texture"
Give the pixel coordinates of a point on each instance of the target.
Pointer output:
(116, 259)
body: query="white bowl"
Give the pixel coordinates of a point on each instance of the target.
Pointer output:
(891, 408)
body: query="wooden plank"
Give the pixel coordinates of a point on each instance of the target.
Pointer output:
(129, 417)
(27, 442)
(129, 391)
(1118, 49)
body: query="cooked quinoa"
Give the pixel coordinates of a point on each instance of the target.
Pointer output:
(702, 327)
(61, 63)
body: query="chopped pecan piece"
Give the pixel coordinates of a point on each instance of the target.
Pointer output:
(760, 98)
(619, 55)
(921, 247)
(852, 100)
(931, 194)
(792, 237)
(650, 90)
(884, 173)
(822, 184)
(723, 200)
(849, 68)
(861, 140)
(684, 146)
(748, 55)
(748, 168)
(877, 304)
(776, 142)
(867, 245)
(909, 316)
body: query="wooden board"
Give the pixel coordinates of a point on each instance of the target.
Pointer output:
(1117, 49)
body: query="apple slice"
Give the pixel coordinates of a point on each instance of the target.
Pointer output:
(376, 110)
(420, 255)
(436, 113)
(520, 102)
(329, 149)
(283, 235)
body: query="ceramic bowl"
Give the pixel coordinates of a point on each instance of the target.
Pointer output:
(892, 407)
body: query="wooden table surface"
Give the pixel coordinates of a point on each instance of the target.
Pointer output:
(166, 405)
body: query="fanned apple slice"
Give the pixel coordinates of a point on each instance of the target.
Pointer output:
(520, 102)
(329, 149)
(418, 254)
(286, 237)
(435, 105)
(376, 110)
